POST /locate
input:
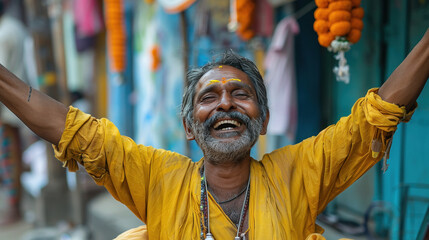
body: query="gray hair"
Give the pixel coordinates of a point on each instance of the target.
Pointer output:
(229, 58)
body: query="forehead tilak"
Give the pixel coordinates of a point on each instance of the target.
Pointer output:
(222, 81)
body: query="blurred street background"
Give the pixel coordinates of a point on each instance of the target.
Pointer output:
(126, 60)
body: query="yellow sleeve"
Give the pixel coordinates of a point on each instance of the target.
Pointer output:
(138, 233)
(343, 152)
(325, 165)
(127, 170)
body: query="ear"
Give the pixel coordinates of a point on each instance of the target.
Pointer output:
(265, 123)
(188, 131)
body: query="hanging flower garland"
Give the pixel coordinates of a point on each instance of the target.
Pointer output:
(339, 24)
(116, 35)
(155, 56)
(241, 22)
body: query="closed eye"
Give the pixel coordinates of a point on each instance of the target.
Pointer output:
(241, 94)
(208, 98)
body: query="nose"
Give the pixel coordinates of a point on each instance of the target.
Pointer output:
(226, 103)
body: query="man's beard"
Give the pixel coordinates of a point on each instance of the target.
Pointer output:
(216, 150)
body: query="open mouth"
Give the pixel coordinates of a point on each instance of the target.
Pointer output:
(225, 125)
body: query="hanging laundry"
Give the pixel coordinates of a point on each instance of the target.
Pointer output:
(158, 78)
(87, 17)
(264, 20)
(214, 16)
(83, 43)
(202, 20)
(211, 34)
(281, 82)
(78, 76)
(175, 6)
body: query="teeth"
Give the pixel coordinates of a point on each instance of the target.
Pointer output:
(225, 122)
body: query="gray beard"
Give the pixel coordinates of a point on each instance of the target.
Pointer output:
(216, 150)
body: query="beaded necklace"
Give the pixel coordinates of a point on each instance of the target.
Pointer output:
(231, 199)
(205, 212)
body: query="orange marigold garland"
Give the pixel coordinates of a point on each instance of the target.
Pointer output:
(116, 35)
(241, 22)
(338, 24)
(155, 54)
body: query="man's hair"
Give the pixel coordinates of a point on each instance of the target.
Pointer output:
(229, 58)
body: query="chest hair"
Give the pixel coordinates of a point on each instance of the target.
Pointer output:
(233, 209)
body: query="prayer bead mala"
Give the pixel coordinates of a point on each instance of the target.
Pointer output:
(205, 212)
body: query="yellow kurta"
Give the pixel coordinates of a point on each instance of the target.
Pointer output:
(289, 187)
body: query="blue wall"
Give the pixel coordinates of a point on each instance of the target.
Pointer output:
(391, 29)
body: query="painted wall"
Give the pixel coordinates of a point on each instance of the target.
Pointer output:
(406, 187)
(364, 60)
(392, 28)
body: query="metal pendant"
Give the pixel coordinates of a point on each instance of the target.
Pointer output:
(209, 237)
(243, 237)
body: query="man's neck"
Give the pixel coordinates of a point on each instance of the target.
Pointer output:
(227, 179)
(225, 182)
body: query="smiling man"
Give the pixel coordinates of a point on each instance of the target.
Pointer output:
(227, 194)
(226, 118)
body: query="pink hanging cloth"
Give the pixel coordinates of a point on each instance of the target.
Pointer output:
(88, 17)
(281, 80)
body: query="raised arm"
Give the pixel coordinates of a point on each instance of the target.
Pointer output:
(407, 81)
(42, 114)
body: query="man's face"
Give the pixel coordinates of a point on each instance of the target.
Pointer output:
(226, 113)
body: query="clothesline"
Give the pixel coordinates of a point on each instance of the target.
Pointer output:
(304, 10)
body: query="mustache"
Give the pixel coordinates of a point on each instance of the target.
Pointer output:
(244, 119)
